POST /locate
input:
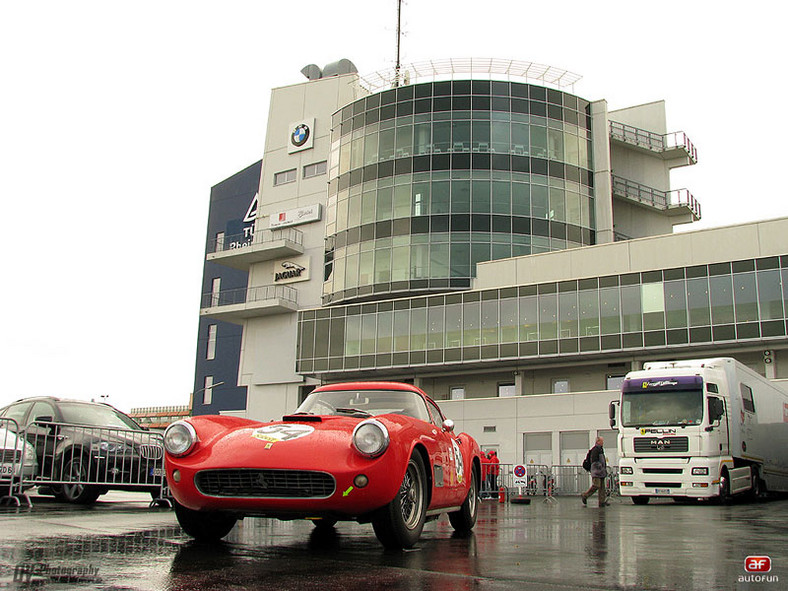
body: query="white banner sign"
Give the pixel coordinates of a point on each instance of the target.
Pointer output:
(293, 217)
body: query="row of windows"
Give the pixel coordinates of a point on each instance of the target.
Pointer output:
(612, 312)
(405, 259)
(560, 142)
(569, 204)
(476, 95)
(309, 171)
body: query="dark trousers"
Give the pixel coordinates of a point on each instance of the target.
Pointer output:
(597, 484)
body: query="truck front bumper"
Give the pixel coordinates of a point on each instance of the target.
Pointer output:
(664, 477)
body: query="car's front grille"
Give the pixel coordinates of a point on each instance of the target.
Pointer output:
(8, 456)
(270, 484)
(663, 471)
(150, 451)
(663, 484)
(661, 444)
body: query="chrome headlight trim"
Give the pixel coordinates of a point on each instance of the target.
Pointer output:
(180, 438)
(370, 438)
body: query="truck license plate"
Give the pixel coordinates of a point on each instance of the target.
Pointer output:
(662, 491)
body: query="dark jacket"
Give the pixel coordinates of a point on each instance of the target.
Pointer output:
(598, 462)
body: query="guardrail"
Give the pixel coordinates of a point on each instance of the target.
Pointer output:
(78, 463)
(541, 480)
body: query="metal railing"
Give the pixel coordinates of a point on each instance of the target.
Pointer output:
(655, 142)
(254, 238)
(244, 295)
(546, 481)
(656, 198)
(78, 463)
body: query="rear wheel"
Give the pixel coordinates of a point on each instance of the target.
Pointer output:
(399, 524)
(640, 500)
(73, 490)
(464, 519)
(204, 526)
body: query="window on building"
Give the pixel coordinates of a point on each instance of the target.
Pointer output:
(560, 386)
(219, 241)
(458, 392)
(316, 169)
(210, 352)
(506, 390)
(284, 177)
(614, 381)
(216, 288)
(207, 393)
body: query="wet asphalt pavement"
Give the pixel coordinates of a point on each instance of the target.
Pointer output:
(122, 544)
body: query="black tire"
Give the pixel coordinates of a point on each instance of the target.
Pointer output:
(464, 519)
(725, 488)
(756, 488)
(641, 500)
(204, 526)
(399, 524)
(76, 468)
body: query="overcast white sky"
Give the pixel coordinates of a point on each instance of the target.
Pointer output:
(117, 118)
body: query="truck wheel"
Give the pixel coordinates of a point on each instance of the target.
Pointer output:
(640, 500)
(756, 488)
(725, 488)
(204, 526)
(399, 524)
(464, 519)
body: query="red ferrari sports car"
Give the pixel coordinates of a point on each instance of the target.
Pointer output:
(378, 452)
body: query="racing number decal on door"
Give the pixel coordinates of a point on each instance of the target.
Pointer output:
(277, 433)
(458, 463)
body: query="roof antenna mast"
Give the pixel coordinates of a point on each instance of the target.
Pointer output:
(398, 66)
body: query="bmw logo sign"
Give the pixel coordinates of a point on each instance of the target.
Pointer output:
(300, 135)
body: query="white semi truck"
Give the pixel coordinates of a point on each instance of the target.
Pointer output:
(702, 429)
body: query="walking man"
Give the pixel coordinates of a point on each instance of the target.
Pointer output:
(598, 473)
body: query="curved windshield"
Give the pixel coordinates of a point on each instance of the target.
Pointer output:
(653, 408)
(95, 415)
(365, 403)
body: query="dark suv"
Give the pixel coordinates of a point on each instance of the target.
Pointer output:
(86, 449)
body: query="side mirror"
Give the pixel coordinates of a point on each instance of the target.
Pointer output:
(448, 425)
(611, 413)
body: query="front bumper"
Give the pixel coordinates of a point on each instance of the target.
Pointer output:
(663, 477)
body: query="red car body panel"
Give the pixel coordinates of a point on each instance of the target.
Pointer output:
(323, 443)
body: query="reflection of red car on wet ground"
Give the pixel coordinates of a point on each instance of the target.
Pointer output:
(378, 452)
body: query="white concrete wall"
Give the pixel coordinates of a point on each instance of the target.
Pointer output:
(514, 417)
(752, 240)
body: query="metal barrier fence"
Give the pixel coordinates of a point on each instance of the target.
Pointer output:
(541, 480)
(78, 463)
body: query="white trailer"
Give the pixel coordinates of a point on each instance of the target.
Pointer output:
(703, 428)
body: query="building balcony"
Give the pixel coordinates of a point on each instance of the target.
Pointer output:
(671, 146)
(237, 305)
(241, 251)
(674, 203)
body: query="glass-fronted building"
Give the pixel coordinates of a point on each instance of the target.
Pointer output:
(480, 229)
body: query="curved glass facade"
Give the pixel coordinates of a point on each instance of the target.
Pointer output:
(429, 179)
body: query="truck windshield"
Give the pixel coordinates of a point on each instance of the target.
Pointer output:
(654, 408)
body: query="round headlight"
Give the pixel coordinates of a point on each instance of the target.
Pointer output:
(179, 438)
(370, 438)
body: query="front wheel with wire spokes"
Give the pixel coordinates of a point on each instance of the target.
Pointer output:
(399, 524)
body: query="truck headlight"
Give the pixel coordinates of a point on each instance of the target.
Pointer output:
(626, 470)
(370, 438)
(180, 438)
(700, 471)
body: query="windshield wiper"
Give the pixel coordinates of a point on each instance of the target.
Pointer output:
(354, 411)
